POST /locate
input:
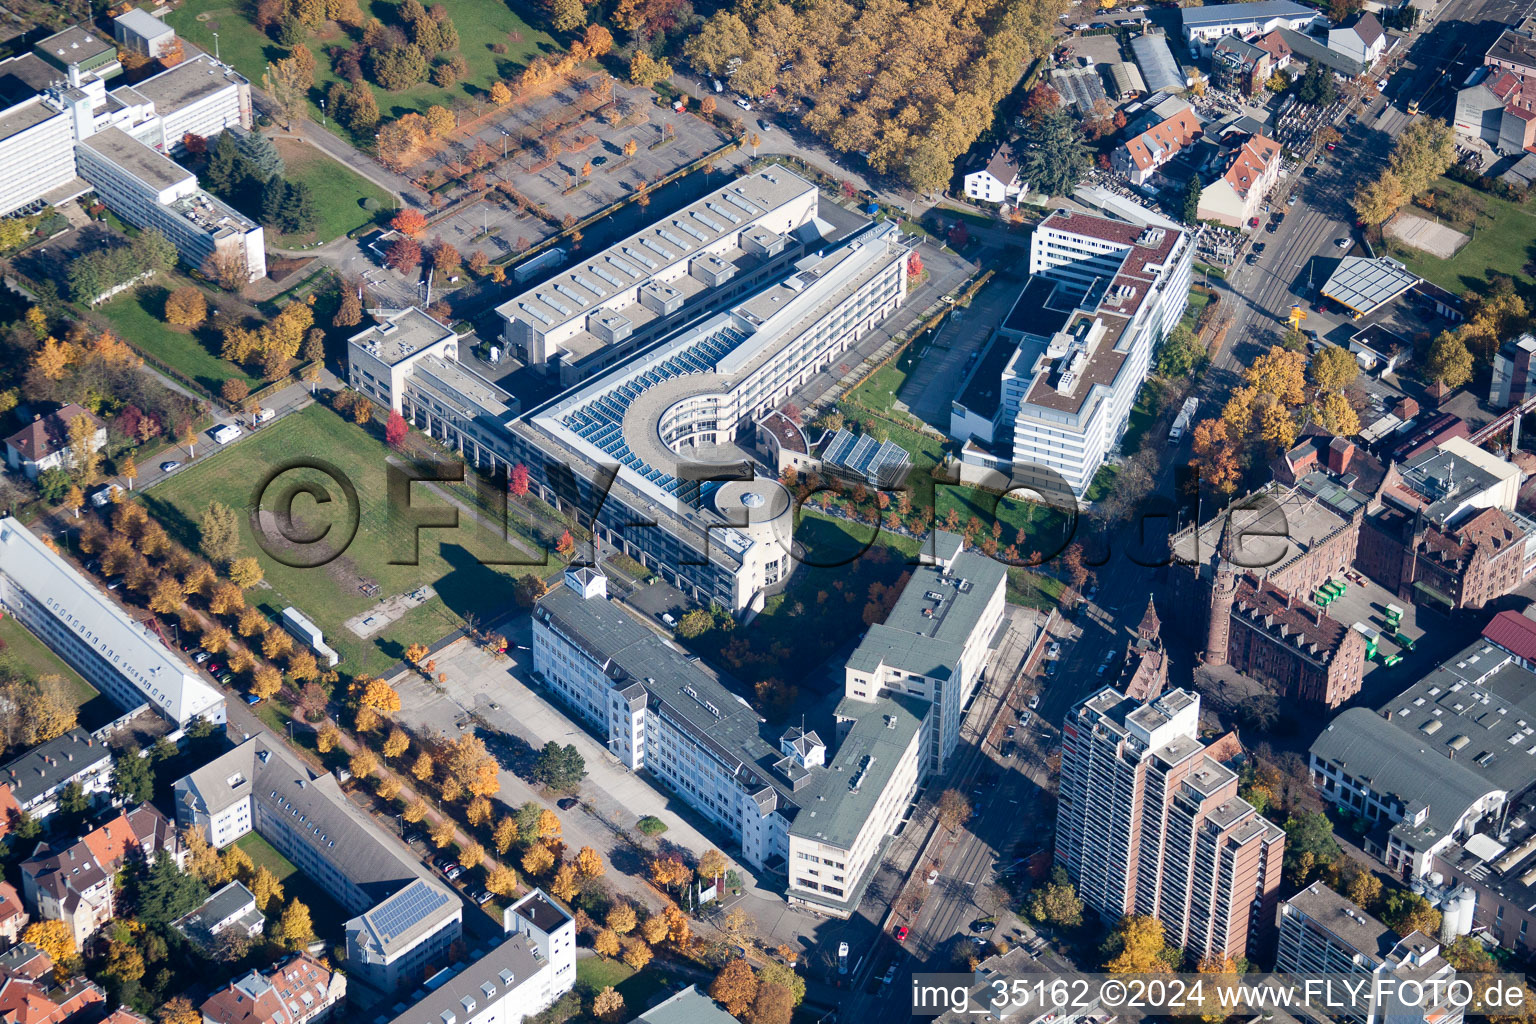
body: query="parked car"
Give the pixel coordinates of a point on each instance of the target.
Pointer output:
(1343, 243)
(1291, 199)
(413, 837)
(900, 933)
(453, 873)
(1026, 717)
(252, 699)
(227, 678)
(442, 861)
(567, 802)
(1034, 702)
(667, 618)
(933, 875)
(227, 433)
(102, 497)
(168, 465)
(743, 103)
(842, 958)
(1054, 650)
(115, 583)
(201, 656)
(764, 124)
(482, 896)
(890, 974)
(1331, 146)
(1252, 259)
(982, 926)
(1310, 171)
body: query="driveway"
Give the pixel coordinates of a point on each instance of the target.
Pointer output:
(492, 694)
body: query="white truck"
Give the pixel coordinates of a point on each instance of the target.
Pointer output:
(1184, 420)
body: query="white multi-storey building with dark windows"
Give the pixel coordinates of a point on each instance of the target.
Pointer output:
(795, 805)
(1074, 352)
(85, 627)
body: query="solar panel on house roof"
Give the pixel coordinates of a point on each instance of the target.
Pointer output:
(407, 908)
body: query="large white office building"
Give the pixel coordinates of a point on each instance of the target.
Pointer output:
(1075, 350)
(595, 313)
(814, 812)
(152, 191)
(668, 417)
(62, 133)
(405, 918)
(937, 640)
(97, 637)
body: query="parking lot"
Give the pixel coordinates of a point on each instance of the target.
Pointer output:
(540, 147)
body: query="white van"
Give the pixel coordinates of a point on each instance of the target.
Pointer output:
(102, 497)
(227, 433)
(262, 417)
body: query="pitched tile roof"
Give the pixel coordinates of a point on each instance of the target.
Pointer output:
(1250, 161)
(1515, 633)
(48, 434)
(1155, 146)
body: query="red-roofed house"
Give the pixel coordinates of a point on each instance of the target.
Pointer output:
(44, 443)
(1139, 157)
(31, 994)
(1515, 633)
(300, 990)
(1253, 167)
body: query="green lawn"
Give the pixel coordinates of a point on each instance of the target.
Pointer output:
(595, 973)
(338, 190)
(481, 24)
(327, 916)
(879, 391)
(1503, 242)
(33, 658)
(449, 560)
(136, 317)
(1032, 589)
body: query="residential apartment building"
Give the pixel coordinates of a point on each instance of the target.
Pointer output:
(793, 805)
(118, 656)
(936, 642)
(592, 315)
(1251, 169)
(1144, 154)
(1239, 66)
(1150, 823)
(44, 444)
(1204, 26)
(78, 883)
(1321, 932)
(13, 914)
(35, 779)
(300, 990)
(1066, 397)
(519, 978)
(405, 918)
(32, 992)
(151, 191)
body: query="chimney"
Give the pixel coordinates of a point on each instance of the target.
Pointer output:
(1406, 409)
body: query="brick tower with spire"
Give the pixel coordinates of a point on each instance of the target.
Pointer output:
(1223, 594)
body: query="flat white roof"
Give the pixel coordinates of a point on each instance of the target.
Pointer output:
(156, 671)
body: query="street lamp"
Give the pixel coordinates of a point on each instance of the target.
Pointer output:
(322, 113)
(504, 134)
(215, 46)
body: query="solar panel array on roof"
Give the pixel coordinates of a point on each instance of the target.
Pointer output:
(601, 420)
(862, 454)
(406, 908)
